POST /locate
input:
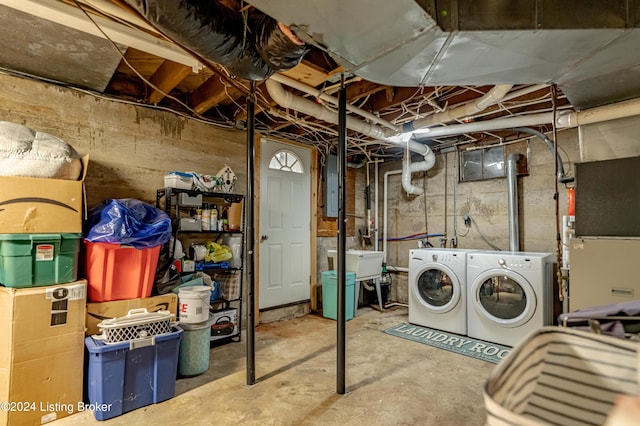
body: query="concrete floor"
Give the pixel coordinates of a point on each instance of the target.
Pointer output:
(389, 381)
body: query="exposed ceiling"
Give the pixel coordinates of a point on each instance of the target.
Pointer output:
(403, 61)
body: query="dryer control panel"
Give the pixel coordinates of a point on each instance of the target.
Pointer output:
(521, 263)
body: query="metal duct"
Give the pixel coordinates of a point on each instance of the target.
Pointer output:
(221, 35)
(512, 189)
(588, 48)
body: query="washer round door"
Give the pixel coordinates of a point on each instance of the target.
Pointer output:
(437, 288)
(503, 297)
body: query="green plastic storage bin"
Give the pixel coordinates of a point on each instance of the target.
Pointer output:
(330, 295)
(33, 260)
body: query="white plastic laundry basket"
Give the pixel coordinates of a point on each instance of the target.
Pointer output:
(561, 376)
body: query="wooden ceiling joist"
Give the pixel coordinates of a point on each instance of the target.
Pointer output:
(211, 93)
(168, 76)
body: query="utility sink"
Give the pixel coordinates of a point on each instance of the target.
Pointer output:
(366, 264)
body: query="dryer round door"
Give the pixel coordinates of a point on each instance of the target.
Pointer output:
(437, 288)
(504, 297)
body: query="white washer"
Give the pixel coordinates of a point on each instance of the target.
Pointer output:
(437, 289)
(509, 295)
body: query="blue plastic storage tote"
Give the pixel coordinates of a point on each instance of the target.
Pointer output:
(125, 376)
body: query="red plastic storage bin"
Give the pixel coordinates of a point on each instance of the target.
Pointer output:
(116, 272)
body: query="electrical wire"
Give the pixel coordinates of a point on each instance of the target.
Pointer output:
(486, 240)
(413, 237)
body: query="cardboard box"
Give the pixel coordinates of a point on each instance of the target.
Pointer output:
(34, 205)
(225, 324)
(96, 312)
(41, 352)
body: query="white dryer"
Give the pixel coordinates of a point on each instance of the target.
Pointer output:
(510, 294)
(437, 289)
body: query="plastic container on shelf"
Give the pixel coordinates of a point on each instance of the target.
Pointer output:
(213, 226)
(129, 375)
(178, 181)
(194, 348)
(234, 217)
(117, 272)
(32, 260)
(330, 295)
(206, 218)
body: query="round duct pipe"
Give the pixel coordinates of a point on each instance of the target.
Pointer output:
(512, 191)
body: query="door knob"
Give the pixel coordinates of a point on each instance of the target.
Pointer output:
(264, 238)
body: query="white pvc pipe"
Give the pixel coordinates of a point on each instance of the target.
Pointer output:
(521, 92)
(564, 120)
(287, 99)
(397, 269)
(493, 96)
(384, 209)
(280, 78)
(483, 126)
(598, 114)
(409, 168)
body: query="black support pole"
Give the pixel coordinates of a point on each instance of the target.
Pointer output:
(342, 240)
(249, 235)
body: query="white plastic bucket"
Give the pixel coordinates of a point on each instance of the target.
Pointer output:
(193, 304)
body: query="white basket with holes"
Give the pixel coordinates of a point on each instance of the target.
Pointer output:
(137, 324)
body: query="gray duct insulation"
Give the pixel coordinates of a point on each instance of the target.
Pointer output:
(217, 33)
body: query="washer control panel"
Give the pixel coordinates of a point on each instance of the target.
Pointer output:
(447, 257)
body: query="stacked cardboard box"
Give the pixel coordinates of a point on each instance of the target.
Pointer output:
(41, 352)
(42, 314)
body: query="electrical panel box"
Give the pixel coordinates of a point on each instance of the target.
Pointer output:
(330, 208)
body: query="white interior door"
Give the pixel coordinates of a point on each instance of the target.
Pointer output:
(285, 224)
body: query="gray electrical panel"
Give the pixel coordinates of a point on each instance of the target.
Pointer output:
(330, 175)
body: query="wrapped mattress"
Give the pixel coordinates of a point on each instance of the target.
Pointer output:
(28, 153)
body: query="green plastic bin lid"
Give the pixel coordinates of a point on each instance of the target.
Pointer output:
(16, 237)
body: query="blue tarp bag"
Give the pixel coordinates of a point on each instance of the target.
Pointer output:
(128, 221)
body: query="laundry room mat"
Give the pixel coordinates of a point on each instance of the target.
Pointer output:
(486, 351)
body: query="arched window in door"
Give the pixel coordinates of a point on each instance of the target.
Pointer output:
(287, 161)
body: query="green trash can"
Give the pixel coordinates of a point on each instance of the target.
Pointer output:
(193, 358)
(330, 295)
